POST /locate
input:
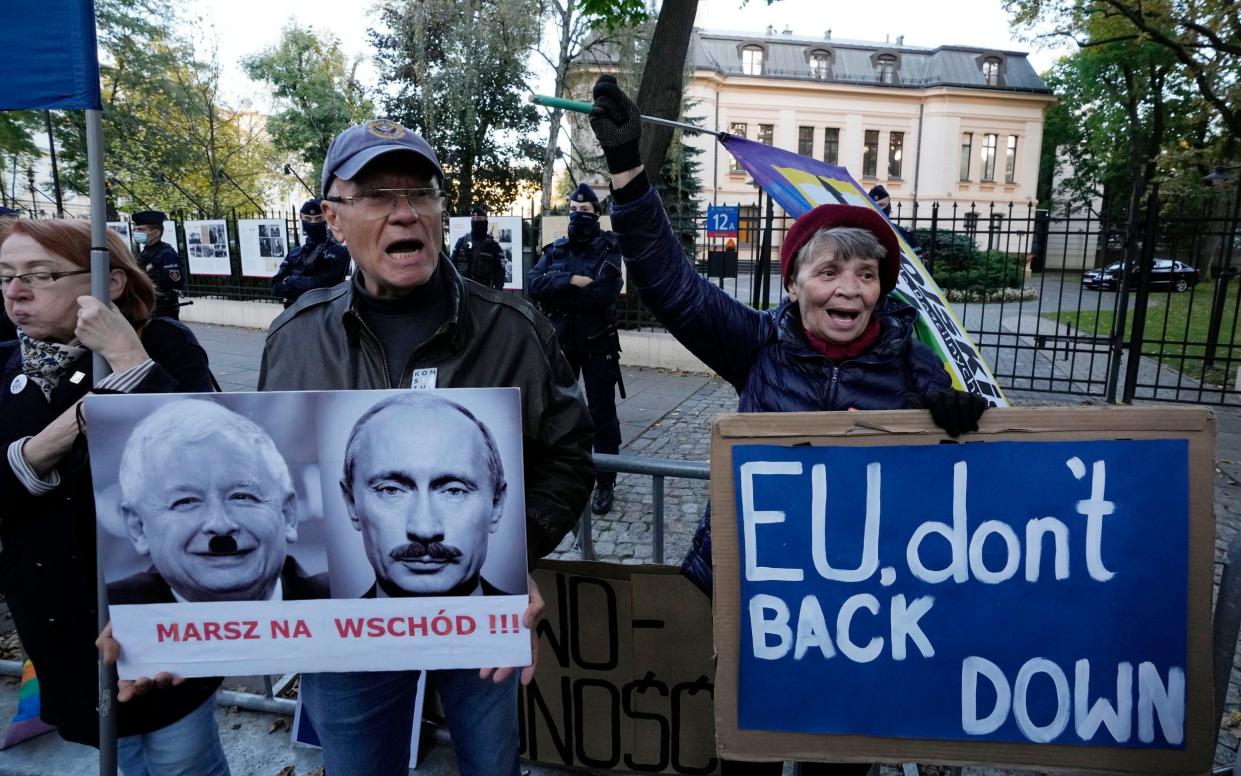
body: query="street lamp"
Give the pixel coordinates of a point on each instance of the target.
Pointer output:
(1218, 178)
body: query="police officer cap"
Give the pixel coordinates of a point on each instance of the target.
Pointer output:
(311, 207)
(478, 210)
(357, 146)
(878, 192)
(150, 218)
(584, 193)
(8, 211)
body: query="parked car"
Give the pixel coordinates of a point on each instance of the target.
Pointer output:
(1165, 273)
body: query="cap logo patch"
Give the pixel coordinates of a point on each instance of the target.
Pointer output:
(388, 130)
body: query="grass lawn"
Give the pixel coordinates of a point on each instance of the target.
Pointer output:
(1176, 331)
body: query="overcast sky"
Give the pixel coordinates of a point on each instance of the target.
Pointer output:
(241, 27)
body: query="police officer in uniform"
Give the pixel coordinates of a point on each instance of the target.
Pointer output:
(576, 283)
(477, 255)
(161, 262)
(320, 262)
(884, 201)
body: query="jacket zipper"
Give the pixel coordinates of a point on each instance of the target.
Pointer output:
(831, 389)
(383, 357)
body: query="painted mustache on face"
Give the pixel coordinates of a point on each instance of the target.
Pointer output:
(416, 551)
(222, 545)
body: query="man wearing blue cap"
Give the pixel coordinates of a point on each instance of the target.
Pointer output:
(161, 262)
(407, 308)
(576, 283)
(319, 262)
(477, 255)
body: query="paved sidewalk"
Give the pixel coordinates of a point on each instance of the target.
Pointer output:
(666, 415)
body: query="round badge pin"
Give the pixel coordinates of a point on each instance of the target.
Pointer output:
(18, 385)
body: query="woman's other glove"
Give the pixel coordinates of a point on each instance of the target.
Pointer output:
(617, 124)
(956, 412)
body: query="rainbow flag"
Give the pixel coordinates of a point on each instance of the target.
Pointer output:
(26, 723)
(799, 184)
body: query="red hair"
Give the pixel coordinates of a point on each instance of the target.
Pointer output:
(71, 240)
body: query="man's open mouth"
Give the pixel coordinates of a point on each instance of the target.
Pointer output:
(404, 248)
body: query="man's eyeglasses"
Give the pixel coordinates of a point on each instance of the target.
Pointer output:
(39, 279)
(379, 203)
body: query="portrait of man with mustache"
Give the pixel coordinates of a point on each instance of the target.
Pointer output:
(217, 514)
(424, 484)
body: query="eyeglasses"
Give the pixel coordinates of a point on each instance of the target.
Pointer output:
(379, 203)
(39, 279)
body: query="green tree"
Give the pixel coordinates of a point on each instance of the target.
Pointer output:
(17, 150)
(455, 72)
(317, 93)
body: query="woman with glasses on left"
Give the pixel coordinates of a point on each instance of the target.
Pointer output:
(47, 524)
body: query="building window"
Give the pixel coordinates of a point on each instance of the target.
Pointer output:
(766, 133)
(1010, 160)
(752, 60)
(737, 128)
(819, 63)
(967, 152)
(831, 145)
(988, 156)
(870, 155)
(896, 147)
(887, 69)
(995, 227)
(805, 141)
(971, 222)
(991, 71)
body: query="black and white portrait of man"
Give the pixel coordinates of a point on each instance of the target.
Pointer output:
(206, 497)
(424, 484)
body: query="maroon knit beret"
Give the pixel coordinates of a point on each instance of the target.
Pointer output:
(830, 216)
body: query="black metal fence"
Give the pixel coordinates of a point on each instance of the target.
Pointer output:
(1015, 277)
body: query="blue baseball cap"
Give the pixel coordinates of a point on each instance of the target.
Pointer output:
(359, 145)
(8, 211)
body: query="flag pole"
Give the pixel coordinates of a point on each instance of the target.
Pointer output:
(580, 106)
(99, 276)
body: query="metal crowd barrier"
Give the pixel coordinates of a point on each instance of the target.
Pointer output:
(1226, 619)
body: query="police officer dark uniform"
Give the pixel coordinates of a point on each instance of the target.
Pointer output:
(161, 262)
(576, 283)
(320, 262)
(478, 256)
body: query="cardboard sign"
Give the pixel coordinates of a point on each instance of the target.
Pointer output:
(1035, 596)
(263, 533)
(624, 676)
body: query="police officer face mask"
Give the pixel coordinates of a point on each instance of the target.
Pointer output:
(316, 232)
(583, 225)
(141, 238)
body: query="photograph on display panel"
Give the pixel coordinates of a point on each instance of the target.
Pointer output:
(236, 537)
(505, 230)
(206, 242)
(262, 245)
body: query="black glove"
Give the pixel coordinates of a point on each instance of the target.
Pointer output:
(956, 411)
(617, 125)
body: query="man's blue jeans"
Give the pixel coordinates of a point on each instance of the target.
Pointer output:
(188, 747)
(364, 720)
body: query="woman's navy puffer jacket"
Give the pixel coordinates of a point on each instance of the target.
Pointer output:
(765, 354)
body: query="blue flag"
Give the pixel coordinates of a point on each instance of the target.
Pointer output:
(51, 50)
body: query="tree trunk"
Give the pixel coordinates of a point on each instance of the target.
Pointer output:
(553, 132)
(662, 78)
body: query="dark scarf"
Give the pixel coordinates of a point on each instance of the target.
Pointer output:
(857, 347)
(47, 362)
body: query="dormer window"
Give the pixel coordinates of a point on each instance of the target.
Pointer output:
(885, 66)
(752, 60)
(820, 64)
(991, 71)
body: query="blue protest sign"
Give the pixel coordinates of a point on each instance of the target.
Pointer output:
(1022, 591)
(722, 220)
(50, 45)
